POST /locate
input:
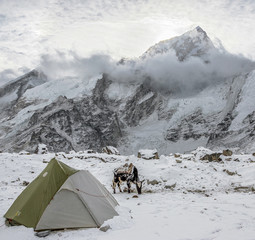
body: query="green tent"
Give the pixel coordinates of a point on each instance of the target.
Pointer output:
(62, 197)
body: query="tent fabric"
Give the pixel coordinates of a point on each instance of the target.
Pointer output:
(66, 210)
(63, 197)
(31, 203)
(94, 196)
(97, 199)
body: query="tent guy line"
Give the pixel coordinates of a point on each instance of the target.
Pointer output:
(92, 194)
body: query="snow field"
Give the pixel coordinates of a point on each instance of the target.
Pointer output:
(183, 197)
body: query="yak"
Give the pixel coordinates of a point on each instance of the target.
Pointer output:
(129, 174)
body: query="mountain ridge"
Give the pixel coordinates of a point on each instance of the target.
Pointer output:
(131, 115)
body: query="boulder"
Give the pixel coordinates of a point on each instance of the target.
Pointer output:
(214, 157)
(110, 150)
(41, 149)
(42, 234)
(89, 151)
(172, 186)
(148, 154)
(227, 153)
(105, 228)
(24, 153)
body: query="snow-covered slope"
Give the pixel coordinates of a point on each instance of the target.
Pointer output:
(11, 92)
(238, 128)
(183, 197)
(190, 108)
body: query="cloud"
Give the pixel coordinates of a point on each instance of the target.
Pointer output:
(164, 73)
(123, 28)
(62, 64)
(6, 76)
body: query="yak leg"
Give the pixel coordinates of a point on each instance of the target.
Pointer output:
(129, 186)
(119, 186)
(114, 186)
(119, 182)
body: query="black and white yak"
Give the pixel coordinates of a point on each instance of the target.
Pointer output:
(129, 174)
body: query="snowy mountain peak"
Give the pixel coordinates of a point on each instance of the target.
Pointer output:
(192, 43)
(200, 30)
(197, 33)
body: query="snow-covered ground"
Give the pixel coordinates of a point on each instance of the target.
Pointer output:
(183, 196)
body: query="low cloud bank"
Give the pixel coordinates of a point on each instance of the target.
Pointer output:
(162, 72)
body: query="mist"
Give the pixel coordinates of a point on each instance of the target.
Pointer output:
(167, 73)
(164, 73)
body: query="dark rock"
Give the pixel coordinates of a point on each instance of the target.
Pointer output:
(89, 151)
(173, 134)
(42, 233)
(227, 152)
(244, 189)
(214, 157)
(186, 130)
(105, 228)
(110, 150)
(229, 172)
(25, 183)
(147, 191)
(153, 182)
(136, 109)
(170, 186)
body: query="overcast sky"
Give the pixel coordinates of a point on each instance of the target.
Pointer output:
(121, 28)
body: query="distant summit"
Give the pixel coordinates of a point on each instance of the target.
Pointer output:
(192, 43)
(199, 29)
